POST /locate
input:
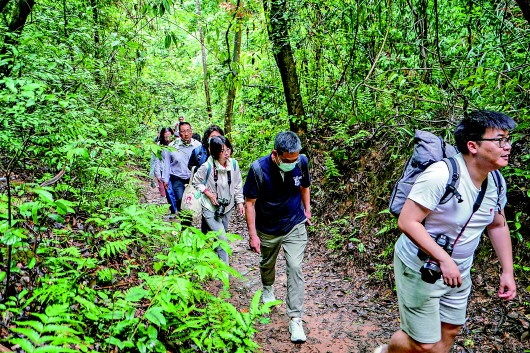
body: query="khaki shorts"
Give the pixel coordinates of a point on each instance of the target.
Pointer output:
(423, 306)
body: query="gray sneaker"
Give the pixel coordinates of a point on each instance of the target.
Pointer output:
(267, 295)
(297, 330)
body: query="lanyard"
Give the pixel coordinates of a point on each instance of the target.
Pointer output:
(216, 177)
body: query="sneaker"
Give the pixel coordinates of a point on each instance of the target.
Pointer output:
(267, 295)
(380, 349)
(297, 330)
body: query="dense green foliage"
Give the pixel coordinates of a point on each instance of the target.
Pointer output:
(86, 83)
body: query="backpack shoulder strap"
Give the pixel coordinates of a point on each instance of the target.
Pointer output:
(299, 164)
(234, 164)
(258, 173)
(497, 178)
(207, 173)
(452, 182)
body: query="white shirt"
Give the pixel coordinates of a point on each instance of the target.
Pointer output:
(232, 192)
(450, 217)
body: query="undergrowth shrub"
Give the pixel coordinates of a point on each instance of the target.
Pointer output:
(122, 279)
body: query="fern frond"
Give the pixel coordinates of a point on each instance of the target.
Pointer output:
(113, 248)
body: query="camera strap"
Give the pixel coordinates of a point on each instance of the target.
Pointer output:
(476, 206)
(216, 177)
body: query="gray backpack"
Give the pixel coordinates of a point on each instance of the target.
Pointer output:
(429, 148)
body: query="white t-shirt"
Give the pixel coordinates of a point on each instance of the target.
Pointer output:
(450, 217)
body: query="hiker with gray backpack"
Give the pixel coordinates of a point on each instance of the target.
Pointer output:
(444, 201)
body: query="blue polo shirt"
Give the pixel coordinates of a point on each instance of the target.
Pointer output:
(278, 200)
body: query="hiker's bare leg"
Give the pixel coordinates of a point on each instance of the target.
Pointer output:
(449, 332)
(402, 343)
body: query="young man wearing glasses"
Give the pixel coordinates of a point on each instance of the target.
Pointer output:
(431, 314)
(277, 208)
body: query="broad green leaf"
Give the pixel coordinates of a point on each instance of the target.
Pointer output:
(154, 314)
(152, 332)
(136, 294)
(60, 328)
(37, 325)
(45, 195)
(25, 344)
(10, 84)
(31, 86)
(28, 332)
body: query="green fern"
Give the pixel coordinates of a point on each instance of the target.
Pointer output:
(331, 167)
(106, 274)
(57, 330)
(113, 248)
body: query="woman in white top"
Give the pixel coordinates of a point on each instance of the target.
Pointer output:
(219, 180)
(164, 138)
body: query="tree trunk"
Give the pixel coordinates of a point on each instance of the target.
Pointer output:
(204, 66)
(422, 25)
(16, 25)
(95, 18)
(470, 27)
(234, 72)
(278, 28)
(20, 15)
(524, 5)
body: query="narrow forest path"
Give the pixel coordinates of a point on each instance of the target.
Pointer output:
(342, 314)
(357, 313)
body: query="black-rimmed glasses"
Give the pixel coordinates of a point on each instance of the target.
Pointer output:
(501, 141)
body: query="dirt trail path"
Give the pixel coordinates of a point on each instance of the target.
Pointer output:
(342, 314)
(356, 314)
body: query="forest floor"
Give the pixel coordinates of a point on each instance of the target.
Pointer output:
(347, 310)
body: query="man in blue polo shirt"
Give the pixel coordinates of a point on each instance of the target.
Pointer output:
(277, 208)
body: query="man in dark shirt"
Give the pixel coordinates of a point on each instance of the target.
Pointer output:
(277, 208)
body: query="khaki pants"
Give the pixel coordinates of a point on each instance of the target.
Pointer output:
(293, 245)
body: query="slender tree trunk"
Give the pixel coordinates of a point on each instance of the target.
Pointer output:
(21, 12)
(318, 50)
(95, 18)
(470, 27)
(421, 25)
(18, 20)
(422, 32)
(524, 5)
(229, 113)
(278, 28)
(204, 66)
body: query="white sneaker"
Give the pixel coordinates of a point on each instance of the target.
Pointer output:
(380, 349)
(297, 330)
(267, 295)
